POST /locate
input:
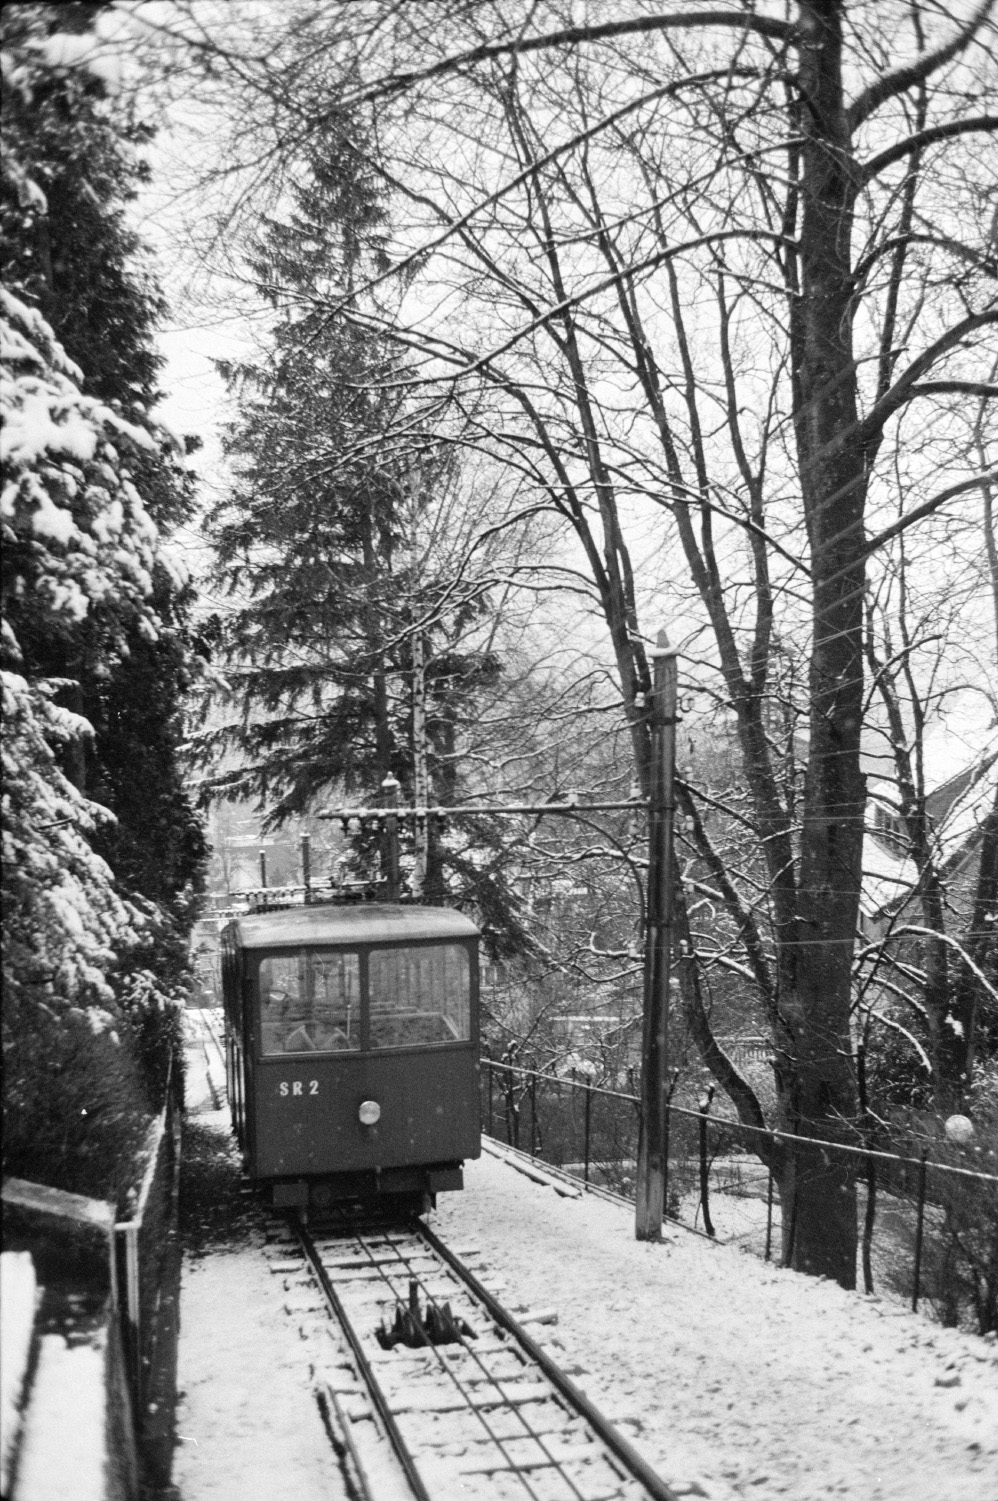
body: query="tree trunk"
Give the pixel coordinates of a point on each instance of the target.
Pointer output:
(833, 485)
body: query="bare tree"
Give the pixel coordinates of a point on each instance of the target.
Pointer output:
(934, 709)
(683, 274)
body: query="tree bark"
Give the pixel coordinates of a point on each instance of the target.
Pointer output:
(833, 487)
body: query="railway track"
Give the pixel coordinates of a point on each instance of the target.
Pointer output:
(424, 1372)
(205, 1037)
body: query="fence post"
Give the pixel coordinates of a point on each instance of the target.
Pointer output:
(666, 1129)
(492, 1093)
(704, 1103)
(512, 1109)
(919, 1228)
(572, 1112)
(133, 1310)
(790, 1231)
(868, 1222)
(588, 1126)
(769, 1215)
(533, 1114)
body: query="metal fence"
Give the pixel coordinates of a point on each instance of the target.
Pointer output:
(927, 1229)
(148, 1255)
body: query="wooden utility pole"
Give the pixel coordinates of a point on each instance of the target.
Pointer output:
(652, 1142)
(421, 781)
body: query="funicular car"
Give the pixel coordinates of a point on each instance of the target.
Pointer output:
(352, 1051)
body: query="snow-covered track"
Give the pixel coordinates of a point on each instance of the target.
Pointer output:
(205, 1039)
(486, 1414)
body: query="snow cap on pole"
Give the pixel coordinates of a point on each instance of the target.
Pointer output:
(662, 647)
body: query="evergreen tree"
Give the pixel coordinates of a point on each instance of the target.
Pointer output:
(70, 169)
(72, 162)
(103, 852)
(331, 589)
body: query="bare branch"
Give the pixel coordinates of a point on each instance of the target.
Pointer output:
(902, 389)
(979, 481)
(913, 143)
(953, 943)
(766, 26)
(955, 388)
(903, 79)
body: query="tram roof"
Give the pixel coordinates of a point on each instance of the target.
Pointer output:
(346, 926)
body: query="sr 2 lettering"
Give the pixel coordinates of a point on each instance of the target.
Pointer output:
(297, 1087)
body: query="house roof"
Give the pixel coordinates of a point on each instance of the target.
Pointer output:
(957, 808)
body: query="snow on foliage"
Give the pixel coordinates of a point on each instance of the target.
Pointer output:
(63, 918)
(69, 510)
(67, 487)
(102, 849)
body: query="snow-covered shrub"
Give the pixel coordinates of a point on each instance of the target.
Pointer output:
(75, 1109)
(154, 1013)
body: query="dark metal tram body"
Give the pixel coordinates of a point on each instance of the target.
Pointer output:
(352, 1051)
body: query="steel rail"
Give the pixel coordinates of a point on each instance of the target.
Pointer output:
(502, 1151)
(374, 1389)
(624, 1452)
(217, 1041)
(573, 1402)
(342, 1435)
(529, 1431)
(515, 1156)
(216, 1035)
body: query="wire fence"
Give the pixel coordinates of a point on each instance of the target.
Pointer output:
(927, 1230)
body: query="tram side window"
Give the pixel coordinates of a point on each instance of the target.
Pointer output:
(419, 996)
(309, 1002)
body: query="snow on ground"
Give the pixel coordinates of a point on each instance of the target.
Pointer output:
(69, 1379)
(753, 1381)
(246, 1428)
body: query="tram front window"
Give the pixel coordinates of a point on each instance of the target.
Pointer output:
(419, 996)
(310, 1002)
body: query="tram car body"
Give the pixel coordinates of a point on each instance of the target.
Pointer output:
(352, 1046)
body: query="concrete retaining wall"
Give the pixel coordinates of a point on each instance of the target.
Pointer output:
(66, 1425)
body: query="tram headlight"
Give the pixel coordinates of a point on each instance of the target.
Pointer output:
(369, 1113)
